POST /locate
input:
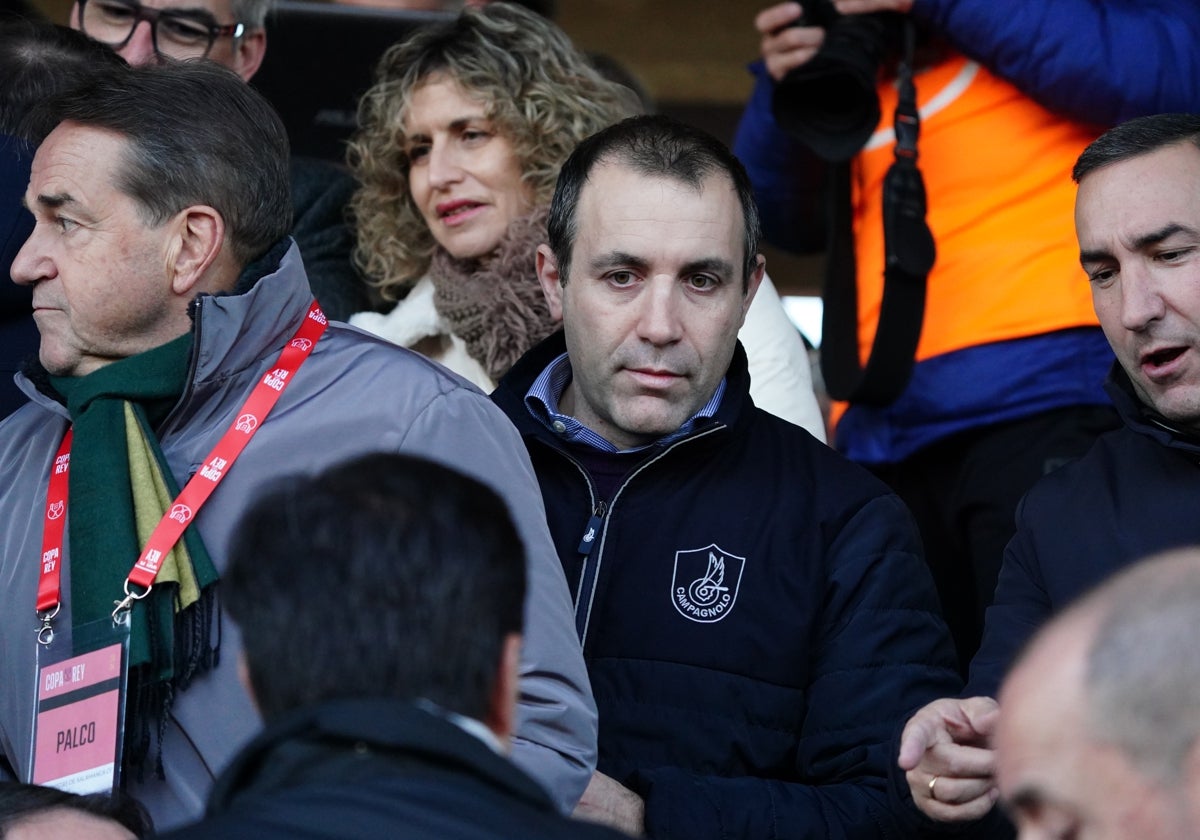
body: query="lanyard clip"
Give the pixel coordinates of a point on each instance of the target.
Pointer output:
(121, 613)
(46, 632)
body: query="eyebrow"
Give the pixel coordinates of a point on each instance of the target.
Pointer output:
(1143, 242)
(457, 124)
(619, 259)
(193, 11)
(52, 201)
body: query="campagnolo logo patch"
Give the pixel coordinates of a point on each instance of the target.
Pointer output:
(704, 587)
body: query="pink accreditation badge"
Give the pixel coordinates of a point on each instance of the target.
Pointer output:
(79, 717)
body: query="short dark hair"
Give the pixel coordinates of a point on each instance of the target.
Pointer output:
(20, 801)
(388, 576)
(39, 60)
(1135, 138)
(658, 147)
(197, 134)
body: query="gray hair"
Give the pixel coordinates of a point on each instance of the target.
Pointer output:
(253, 13)
(1142, 680)
(197, 134)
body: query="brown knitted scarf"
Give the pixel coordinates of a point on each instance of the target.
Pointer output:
(496, 306)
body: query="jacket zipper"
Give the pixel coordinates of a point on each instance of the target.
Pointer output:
(597, 527)
(587, 574)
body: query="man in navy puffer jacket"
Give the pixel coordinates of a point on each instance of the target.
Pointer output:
(754, 610)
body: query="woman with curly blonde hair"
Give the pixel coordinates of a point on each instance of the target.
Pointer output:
(460, 142)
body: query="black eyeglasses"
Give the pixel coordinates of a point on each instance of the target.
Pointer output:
(176, 33)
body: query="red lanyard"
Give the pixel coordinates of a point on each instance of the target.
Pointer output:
(193, 496)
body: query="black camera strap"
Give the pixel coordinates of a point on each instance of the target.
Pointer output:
(909, 255)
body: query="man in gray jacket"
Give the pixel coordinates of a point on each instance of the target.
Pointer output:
(177, 327)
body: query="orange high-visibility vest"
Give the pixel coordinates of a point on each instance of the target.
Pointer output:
(1001, 201)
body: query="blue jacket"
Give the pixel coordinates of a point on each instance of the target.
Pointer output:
(1094, 62)
(1099, 63)
(765, 705)
(1091, 63)
(1136, 492)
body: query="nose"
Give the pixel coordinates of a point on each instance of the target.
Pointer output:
(29, 266)
(139, 49)
(1142, 301)
(659, 321)
(443, 167)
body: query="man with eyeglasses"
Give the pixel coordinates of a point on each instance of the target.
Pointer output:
(232, 33)
(228, 33)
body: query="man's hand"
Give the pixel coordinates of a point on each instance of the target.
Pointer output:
(950, 740)
(784, 47)
(611, 803)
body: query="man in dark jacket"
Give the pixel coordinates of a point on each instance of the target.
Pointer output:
(1136, 492)
(754, 611)
(380, 604)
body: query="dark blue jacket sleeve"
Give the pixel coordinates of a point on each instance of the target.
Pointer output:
(786, 176)
(1022, 605)
(1095, 61)
(883, 652)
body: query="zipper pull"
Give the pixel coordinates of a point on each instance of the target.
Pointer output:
(592, 531)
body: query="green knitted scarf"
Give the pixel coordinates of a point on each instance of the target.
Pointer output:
(119, 487)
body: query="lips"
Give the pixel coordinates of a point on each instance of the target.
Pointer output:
(654, 378)
(458, 210)
(1162, 362)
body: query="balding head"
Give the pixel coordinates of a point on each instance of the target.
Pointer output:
(1098, 724)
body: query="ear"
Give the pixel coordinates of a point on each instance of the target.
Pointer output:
(251, 49)
(756, 276)
(552, 287)
(502, 705)
(198, 243)
(73, 19)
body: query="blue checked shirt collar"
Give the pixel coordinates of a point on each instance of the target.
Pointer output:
(542, 401)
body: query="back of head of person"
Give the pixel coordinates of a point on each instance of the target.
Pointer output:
(386, 577)
(39, 60)
(32, 811)
(1099, 730)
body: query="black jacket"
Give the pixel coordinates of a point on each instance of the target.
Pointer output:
(1136, 492)
(19, 337)
(378, 768)
(756, 619)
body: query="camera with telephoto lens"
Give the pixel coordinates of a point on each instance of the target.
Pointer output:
(829, 103)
